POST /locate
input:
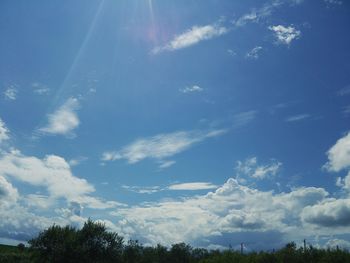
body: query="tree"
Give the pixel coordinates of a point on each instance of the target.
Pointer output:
(180, 253)
(92, 243)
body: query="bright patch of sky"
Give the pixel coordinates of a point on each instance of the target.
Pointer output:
(169, 121)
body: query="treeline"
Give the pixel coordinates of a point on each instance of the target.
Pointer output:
(93, 243)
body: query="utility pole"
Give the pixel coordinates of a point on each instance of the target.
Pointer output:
(304, 245)
(242, 245)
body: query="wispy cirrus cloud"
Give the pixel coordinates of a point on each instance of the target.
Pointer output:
(346, 110)
(64, 120)
(299, 117)
(257, 14)
(77, 161)
(333, 2)
(192, 37)
(344, 91)
(166, 163)
(191, 89)
(192, 186)
(11, 93)
(161, 146)
(142, 189)
(40, 89)
(285, 35)
(243, 118)
(254, 52)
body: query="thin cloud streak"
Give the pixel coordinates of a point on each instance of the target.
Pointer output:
(192, 37)
(160, 146)
(192, 186)
(299, 117)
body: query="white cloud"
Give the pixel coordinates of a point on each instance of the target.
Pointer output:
(337, 243)
(333, 2)
(339, 155)
(38, 201)
(142, 189)
(299, 117)
(232, 208)
(254, 53)
(344, 91)
(52, 172)
(77, 161)
(192, 36)
(110, 156)
(166, 164)
(192, 186)
(243, 20)
(8, 193)
(285, 35)
(257, 15)
(194, 88)
(231, 52)
(243, 118)
(11, 93)
(346, 110)
(251, 169)
(3, 131)
(64, 120)
(39, 88)
(160, 146)
(332, 213)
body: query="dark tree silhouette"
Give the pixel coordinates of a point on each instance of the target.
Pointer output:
(92, 243)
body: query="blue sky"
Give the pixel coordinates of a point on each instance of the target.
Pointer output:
(209, 122)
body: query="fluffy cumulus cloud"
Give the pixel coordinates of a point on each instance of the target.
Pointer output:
(55, 175)
(333, 213)
(231, 209)
(52, 172)
(8, 194)
(65, 195)
(64, 120)
(160, 146)
(192, 36)
(285, 35)
(16, 222)
(339, 155)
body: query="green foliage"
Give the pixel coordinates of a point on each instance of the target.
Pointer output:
(93, 243)
(12, 254)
